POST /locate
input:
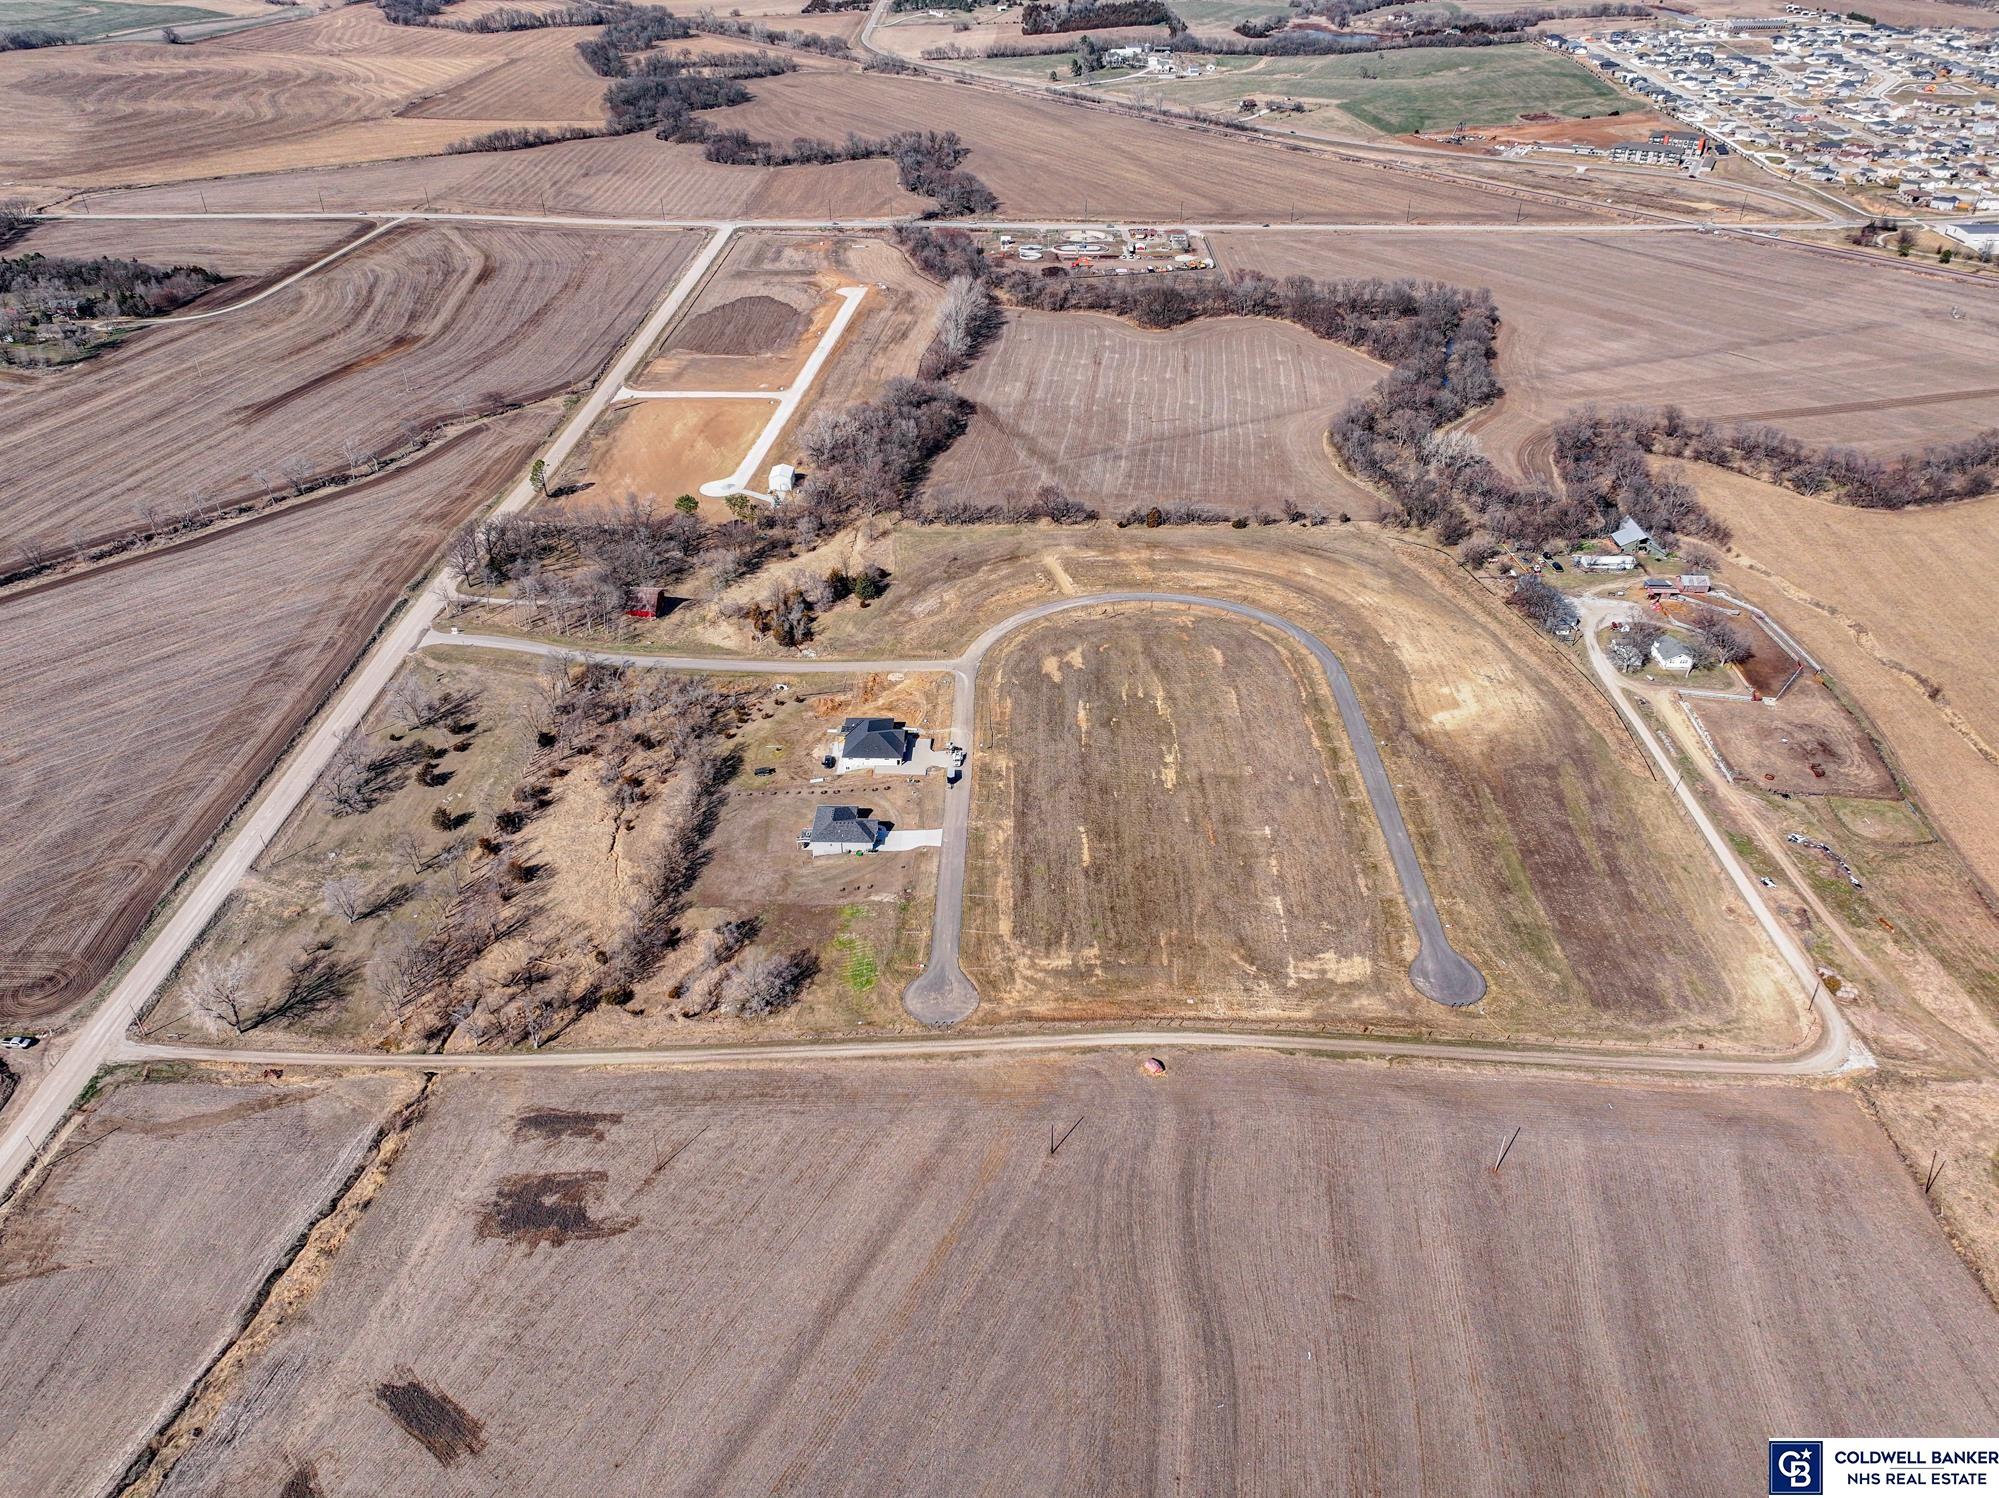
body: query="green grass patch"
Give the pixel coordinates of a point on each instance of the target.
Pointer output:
(860, 969)
(1398, 93)
(85, 19)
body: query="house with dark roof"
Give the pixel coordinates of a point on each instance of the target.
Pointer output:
(874, 744)
(841, 829)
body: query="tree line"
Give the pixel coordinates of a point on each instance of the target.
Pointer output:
(927, 162)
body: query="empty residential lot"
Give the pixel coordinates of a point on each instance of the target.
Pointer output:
(1231, 413)
(1829, 349)
(1248, 1274)
(1168, 810)
(422, 326)
(129, 1265)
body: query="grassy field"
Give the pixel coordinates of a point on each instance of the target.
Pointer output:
(1397, 93)
(84, 19)
(1251, 1275)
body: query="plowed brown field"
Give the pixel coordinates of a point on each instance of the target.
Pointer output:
(128, 1267)
(139, 703)
(1231, 413)
(343, 86)
(1828, 348)
(426, 324)
(627, 176)
(255, 253)
(1251, 1275)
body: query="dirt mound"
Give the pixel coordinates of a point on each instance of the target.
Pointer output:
(438, 1421)
(748, 325)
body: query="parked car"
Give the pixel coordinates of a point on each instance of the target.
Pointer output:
(19, 1042)
(765, 770)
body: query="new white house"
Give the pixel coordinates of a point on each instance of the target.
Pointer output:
(874, 744)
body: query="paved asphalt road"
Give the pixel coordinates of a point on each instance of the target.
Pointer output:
(943, 994)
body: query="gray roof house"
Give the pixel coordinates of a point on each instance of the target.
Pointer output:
(875, 741)
(1629, 534)
(841, 829)
(1671, 654)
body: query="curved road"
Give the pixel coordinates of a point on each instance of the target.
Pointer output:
(943, 994)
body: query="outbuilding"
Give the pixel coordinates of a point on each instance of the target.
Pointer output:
(1629, 535)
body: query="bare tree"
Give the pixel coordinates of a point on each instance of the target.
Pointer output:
(411, 702)
(402, 971)
(344, 784)
(220, 992)
(343, 898)
(407, 845)
(764, 982)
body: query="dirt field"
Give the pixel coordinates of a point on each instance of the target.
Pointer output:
(1151, 1308)
(1805, 743)
(339, 87)
(145, 699)
(1829, 349)
(425, 325)
(129, 1266)
(255, 253)
(1167, 808)
(1866, 592)
(663, 449)
(1230, 413)
(1558, 862)
(626, 176)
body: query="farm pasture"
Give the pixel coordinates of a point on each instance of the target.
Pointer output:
(1805, 743)
(1167, 808)
(142, 701)
(341, 86)
(1828, 348)
(1899, 606)
(1226, 412)
(1250, 1271)
(129, 1264)
(426, 326)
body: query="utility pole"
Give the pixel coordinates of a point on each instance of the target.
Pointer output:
(1504, 1148)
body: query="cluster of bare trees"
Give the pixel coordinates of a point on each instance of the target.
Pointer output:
(45, 288)
(32, 38)
(769, 36)
(966, 318)
(518, 138)
(787, 609)
(1545, 607)
(226, 993)
(870, 457)
(1039, 19)
(927, 161)
(632, 30)
(582, 572)
(662, 92)
(1602, 462)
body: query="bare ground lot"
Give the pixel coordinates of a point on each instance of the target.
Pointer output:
(1829, 349)
(139, 703)
(1159, 1305)
(130, 1264)
(625, 176)
(425, 325)
(1168, 818)
(1805, 743)
(343, 86)
(1231, 413)
(1899, 605)
(1560, 865)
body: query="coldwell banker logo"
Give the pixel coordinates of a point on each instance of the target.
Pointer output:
(1797, 1467)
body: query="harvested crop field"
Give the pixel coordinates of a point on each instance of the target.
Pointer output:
(1044, 157)
(1231, 413)
(142, 701)
(338, 87)
(256, 253)
(1559, 862)
(626, 176)
(1803, 744)
(1152, 1308)
(1899, 606)
(1828, 348)
(425, 326)
(1167, 807)
(127, 1267)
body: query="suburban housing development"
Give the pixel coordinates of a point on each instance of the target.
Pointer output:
(918, 748)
